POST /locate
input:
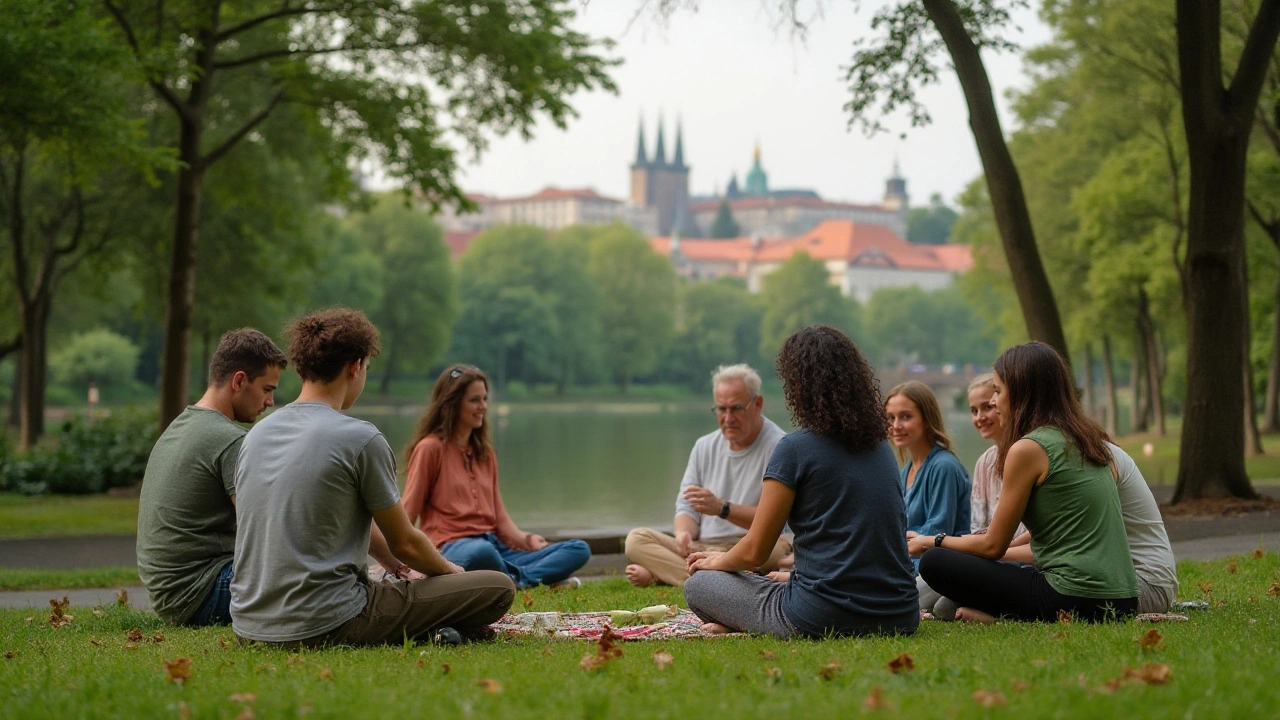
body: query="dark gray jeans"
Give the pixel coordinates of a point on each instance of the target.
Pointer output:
(740, 601)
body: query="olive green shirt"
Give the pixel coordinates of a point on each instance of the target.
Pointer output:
(186, 520)
(1077, 531)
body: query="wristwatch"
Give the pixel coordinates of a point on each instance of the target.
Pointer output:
(724, 510)
(937, 539)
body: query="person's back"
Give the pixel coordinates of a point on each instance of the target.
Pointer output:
(852, 569)
(186, 520)
(1153, 559)
(319, 473)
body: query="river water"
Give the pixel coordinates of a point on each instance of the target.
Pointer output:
(600, 466)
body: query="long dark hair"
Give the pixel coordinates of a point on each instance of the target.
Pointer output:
(830, 389)
(1041, 394)
(441, 416)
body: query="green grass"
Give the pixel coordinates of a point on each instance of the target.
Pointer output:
(64, 515)
(103, 577)
(1223, 664)
(1162, 467)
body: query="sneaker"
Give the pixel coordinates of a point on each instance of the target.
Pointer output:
(569, 582)
(446, 636)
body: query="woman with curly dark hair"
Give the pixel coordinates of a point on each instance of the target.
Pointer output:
(835, 482)
(1054, 463)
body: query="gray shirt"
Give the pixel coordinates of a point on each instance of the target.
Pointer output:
(733, 475)
(308, 481)
(186, 522)
(1148, 542)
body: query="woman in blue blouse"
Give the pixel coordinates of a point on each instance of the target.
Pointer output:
(934, 481)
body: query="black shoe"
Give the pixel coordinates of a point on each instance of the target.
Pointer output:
(446, 636)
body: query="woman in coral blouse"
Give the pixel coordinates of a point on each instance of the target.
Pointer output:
(452, 486)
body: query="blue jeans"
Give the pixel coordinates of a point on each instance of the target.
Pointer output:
(547, 566)
(216, 609)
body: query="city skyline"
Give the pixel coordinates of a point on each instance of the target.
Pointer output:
(733, 81)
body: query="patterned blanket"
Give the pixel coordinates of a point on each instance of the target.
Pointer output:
(590, 626)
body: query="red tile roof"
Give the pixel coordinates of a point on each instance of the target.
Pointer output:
(751, 203)
(459, 240)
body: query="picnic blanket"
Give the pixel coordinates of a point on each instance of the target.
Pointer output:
(591, 625)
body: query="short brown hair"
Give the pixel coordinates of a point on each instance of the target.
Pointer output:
(323, 342)
(830, 388)
(244, 349)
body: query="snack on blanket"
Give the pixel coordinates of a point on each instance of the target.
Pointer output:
(651, 615)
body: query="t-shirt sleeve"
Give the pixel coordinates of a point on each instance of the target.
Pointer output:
(784, 464)
(692, 476)
(420, 477)
(227, 465)
(376, 470)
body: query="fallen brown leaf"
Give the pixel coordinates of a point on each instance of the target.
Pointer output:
(131, 646)
(875, 700)
(295, 660)
(766, 654)
(223, 642)
(828, 671)
(158, 637)
(1206, 588)
(445, 668)
(1150, 673)
(1274, 589)
(135, 635)
(527, 599)
(122, 597)
(422, 663)
(607, 645)
(326, 674)
(179, 670)
(1151, 640)
(990, 698)
(1064, 616)
(242, 697)
(1021, 686)
(94, 642)
(662, 659)
(1111, 685)
(1231, 568)
(1257, 553)
(10, 654)
(489, 685)
(59, 617)
(902, 663)
(591, 662)
(773, 673)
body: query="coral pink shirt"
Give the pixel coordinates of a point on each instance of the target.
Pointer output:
(455, 495)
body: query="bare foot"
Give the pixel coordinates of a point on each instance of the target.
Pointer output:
(965, 614)
(715, 628)
(639, 575)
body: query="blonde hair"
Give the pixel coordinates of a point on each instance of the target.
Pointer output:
(925, 401)
(983, 380)
(741, 371)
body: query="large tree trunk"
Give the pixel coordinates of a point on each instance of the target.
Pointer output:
(1252, 438)
(1090, 397)
(1140, 411)
(1155, 403)
(389, 373)
(1109, 382)
(1271, 406)
(33, 368)
(1218, 121)
(15, 388)
(176, 353)
(1008, 203)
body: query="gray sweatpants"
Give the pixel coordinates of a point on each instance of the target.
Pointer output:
(740, 601)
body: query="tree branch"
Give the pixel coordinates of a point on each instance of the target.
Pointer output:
(161, 89)
(1255, 60)
(238, 135)
(284, 11)
(284, 52)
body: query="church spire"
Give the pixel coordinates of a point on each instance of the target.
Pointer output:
(641, 155)
(678, 159)
(660, 152)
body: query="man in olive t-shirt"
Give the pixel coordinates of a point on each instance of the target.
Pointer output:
(186, 514)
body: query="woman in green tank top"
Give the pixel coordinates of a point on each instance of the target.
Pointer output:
(1054, 461)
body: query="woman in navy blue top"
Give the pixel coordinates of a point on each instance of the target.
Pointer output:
(835, 482)
(934, 481)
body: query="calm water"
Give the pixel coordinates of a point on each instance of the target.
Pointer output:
(605, 467)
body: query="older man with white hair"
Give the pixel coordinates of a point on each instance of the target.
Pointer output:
(721, 486)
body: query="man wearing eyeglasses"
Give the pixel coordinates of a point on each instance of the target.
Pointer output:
(721, 486)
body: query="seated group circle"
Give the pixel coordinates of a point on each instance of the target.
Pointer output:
(858, 523)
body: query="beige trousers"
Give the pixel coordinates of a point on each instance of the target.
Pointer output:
(414, 608)
(659, 553)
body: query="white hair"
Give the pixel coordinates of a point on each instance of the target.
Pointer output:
(741, 371)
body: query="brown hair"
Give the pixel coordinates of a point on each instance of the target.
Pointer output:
(441, 416)
(1041, 394)
(830, 388)
(927, 403)
(244, 349)
(323, 342)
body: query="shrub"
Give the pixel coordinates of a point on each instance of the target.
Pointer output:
(98, 356)
(84, 456)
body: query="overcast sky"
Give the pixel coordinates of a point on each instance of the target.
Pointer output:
(735, 80)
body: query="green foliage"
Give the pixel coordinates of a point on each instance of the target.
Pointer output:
(84, 456)
(798, 294)
(97, 356)
(637, 309)
(724, 226)
(718, 323)
(910, 325)
(931, 225)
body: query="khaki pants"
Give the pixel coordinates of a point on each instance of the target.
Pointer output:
(659, 553)
(414, 608)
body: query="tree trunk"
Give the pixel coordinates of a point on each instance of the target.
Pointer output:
(1252, 438)
(1218, 122)
(1109, 381)
(15, 387)
(204, 357)
(1140, 411)
(1008, 203)
(176, 353)
(389, 373)
(1154, 376)
(33, 367)
(1271, 406)
(1090, 397)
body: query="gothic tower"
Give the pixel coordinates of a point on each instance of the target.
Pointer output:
(895, 191)
(663, 185)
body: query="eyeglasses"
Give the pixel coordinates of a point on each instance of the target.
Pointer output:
(729, 409)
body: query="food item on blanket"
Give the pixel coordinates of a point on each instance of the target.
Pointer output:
(623, 618)
(539, 620)
(653, 614)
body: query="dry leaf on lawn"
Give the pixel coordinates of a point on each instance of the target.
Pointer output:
(989, 698)
(1150, 673)
(445, 668)
(122, 597)
(1231, 568)
(662, 659)
(1064, 616)
(875, 700)
(490, 685)
(1021, 686)
(1206, 588)
(1274, 589)
(902, 663)
(1151, 640)
(179, 669)
(592, 662)
(1257, 553)
(766, 654)
(773, 673)
(10, 654)
(828, 671)
(135, 635)
(326, 674)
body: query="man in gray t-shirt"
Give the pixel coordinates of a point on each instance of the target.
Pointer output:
(720, 489)
(310, 484)
(186, 513)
